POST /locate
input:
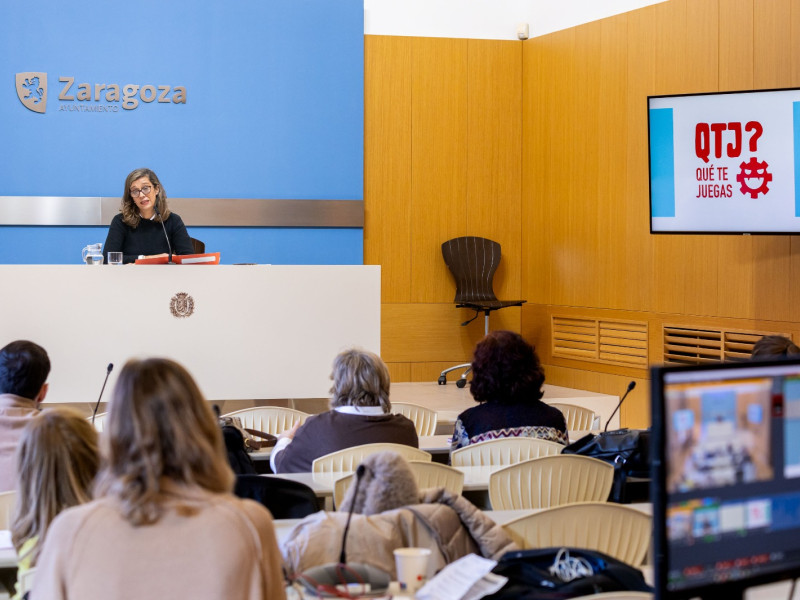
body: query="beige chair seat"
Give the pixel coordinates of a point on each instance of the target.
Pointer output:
(550, 481)
(505, 451)
(346, 460)
(614, 529)
(7, 502)
(99, 421)
(424, 418)
(578, 418)
(269, 419)
(427, 475)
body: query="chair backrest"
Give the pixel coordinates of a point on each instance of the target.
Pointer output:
(504, 451)
(578, 418)
(346, 461)
(99, 421)
(424, 418)
(473, 262)
(615, 529)
(7, 502)
(435, 475)
(269, 419)
(197, 246)
(285, 499)
(550, 481)
(25, 581)
(427, 475)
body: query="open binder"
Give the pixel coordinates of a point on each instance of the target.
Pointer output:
(210, 258)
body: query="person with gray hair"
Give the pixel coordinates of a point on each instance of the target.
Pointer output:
(360, 414)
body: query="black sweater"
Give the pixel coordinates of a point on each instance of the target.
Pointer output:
(147, 238)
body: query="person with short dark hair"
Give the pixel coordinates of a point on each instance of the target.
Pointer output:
(24, 367)
(507, 380)
(360, 414)
(774, 345)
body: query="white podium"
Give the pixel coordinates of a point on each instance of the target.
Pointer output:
(255, 332)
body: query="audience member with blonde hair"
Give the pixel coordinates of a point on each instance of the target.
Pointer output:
(360, 414)
(164, 523)
(57, 461)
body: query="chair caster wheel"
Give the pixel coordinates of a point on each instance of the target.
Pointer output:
(461, 383)
(442, 380)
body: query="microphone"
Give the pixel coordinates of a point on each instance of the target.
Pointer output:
(328, 579)
(631, 385)
(158, 213)
(109, 368)
(343, 554)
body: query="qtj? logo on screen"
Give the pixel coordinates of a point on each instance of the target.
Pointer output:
(729, 139)
(88, 97)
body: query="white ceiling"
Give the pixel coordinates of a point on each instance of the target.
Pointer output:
(486, 19)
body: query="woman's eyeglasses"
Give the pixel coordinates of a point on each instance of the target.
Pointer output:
(145, 190)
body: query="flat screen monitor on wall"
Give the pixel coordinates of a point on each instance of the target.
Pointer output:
(725, 163)
(726, 477)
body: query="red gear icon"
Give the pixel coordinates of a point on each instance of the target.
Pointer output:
(754, 170)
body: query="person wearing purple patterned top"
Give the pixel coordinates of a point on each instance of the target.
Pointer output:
(507, 380)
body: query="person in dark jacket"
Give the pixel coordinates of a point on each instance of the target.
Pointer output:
(360, 414)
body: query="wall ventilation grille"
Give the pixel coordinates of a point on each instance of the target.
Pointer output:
(688, 346)
(609, 341)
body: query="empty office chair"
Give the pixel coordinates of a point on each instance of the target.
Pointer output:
(424, 418)
(614, 529)
(504, 451)
(427, 474)
(269, 419)
(550, 481)
(473, 261)
(197, 246)
(284, 498)
(7, 502)
(346, 461)
(577, 417)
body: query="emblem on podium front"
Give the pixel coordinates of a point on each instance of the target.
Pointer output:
(181, 305)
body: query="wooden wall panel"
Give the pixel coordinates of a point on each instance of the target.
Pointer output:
(494, 163)
(387, 163)
(537, 72)
(439, 161)
(613, 252)
(419, 332)
(637, 280)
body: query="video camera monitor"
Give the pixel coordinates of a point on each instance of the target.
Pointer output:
(726, 477)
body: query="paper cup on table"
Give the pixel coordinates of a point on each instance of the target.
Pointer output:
(412, 567)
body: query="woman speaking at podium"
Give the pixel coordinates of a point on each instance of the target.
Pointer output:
(145, 222)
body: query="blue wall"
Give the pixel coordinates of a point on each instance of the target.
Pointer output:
(274, 109)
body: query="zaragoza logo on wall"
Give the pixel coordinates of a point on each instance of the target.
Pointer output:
(32, 91)
(93, 97)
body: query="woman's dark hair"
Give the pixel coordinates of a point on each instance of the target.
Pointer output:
(774, 345)
(506, 370)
